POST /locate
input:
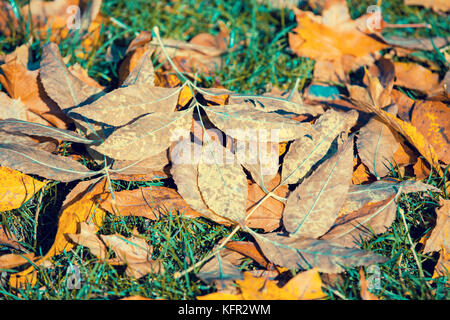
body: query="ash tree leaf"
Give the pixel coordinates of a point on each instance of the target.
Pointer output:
(306, 253)
(59, 83)
(313, 206)
(125, 104)
(185, 174)
(244, 122)
(147, 136)
(31, 160)
(376, 146)
(373, 218)
(261, 159)
(307, 150)
(36, 129)
(222, 182)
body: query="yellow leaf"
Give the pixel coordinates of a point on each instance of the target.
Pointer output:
(79, 206)
(415, 138)
(304, 286)
(16, 188)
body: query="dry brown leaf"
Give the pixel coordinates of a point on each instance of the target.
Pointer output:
(250, 250)
(246, 123)
(149, 202)
(313, 206)
(436, 5)
(373, 218)
(440, 236)
(404, 104)
(376, 145)
(307, 150)
(87, 237)
(135, 252)
(121, 106)
(415, 76)
(222, 182)
(306, 253)
(148, 136)
(268, 215)
(30, 159)
(365, 293)
(25, 85)
(185, 175)
(334, 41)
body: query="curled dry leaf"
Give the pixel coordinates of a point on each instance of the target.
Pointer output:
(87, 237)
(306, 151)
(313, 206)
(16, 188)
(135, 253)
(304, 286)
(25, 85)
(8, 239)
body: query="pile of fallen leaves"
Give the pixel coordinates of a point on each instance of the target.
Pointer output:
(306, 175)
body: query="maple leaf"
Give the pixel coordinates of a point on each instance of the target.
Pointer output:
(334, 41)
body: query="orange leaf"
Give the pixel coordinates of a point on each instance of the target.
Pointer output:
(431, 118)
(334, 40)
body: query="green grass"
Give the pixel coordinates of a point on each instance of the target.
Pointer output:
(265, 58)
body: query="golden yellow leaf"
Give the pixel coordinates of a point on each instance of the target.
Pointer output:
(78, 206)
(16, 188)
(415, 138)
(11, 260)
(304, 286)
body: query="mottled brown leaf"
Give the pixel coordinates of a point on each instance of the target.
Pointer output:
(147, 136)
(307, 253)
(307, 150)
(125, 104)
(245, 122)
(35, 161)
(313, 206)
